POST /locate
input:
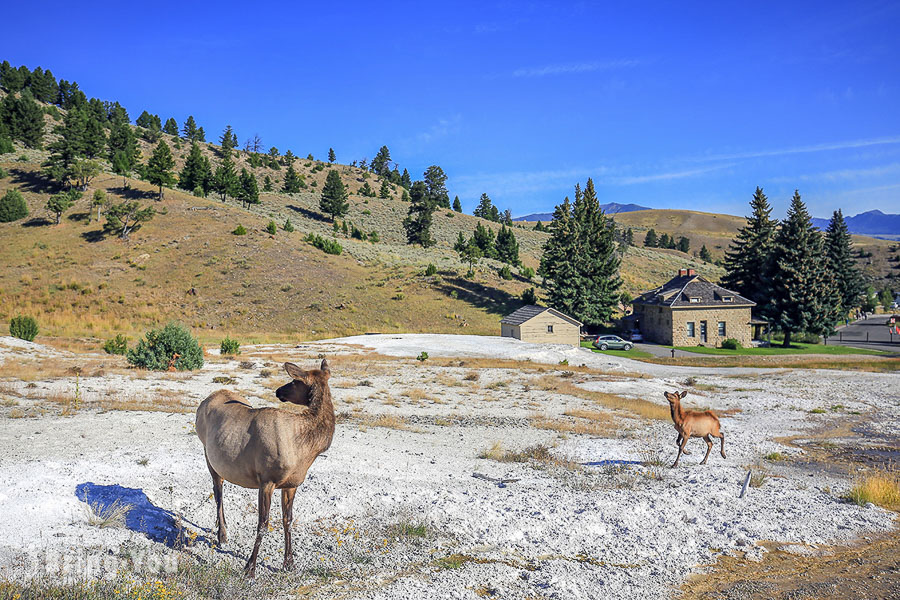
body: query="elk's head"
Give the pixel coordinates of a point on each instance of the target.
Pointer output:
(299, 390)
(676, 397)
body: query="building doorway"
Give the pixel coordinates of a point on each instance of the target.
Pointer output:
(702, 332)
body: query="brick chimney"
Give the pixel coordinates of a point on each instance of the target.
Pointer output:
(682, 272)
(691, 272)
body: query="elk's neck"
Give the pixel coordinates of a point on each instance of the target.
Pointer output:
(677, 413)
(317, 428)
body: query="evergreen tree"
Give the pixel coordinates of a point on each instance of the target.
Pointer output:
(469, 253)
(122, 141)
(331, 155)
(60, 203)
(380, 165)
(192, 174)
(159, 167)
(226, 181)
(748, 255)
(650, 240)
(484, 239)
(248, 191)
(201, 135)
(664, 241)
(334, 196)
(507, 246)
(628, 237)
(12, 206)
(385, 191)
(171, 126)
(684, 245)
(291, 180)
(146, 120)
(507, 219)
(539, 226)
(22, 119)
(94, 136)
(485, 208)
(800, 296)
(460, 242)
(405, 179)
(228, 141)
(557, 267)
(68, 147)
(366, 190)
(435, 182)
(705, 256)
(418, 219)
(396, 178)
(846, 279)
(267, 184)
(457, 205)
(189, 129)
(126, 217)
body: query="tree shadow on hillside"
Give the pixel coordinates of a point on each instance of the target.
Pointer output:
(79, 217)
(483, 296)
(95, 235)
(37, 222)
(130, 193)
(309, 214)
(33, 181)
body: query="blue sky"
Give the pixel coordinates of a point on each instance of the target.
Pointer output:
(669, 105)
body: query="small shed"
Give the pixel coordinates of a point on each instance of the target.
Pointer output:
(541, 325)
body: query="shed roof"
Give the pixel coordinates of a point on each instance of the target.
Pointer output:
(678, 291)
(526, 313)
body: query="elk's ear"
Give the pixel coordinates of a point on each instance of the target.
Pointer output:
(293, 370)
(324, 368)
(684, 393)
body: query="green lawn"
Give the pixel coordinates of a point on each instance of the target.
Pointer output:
(774, 350)
(625, 353)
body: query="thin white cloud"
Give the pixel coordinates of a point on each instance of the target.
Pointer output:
(565, 69)
(842, 174)
(665, 176)
(848, 145)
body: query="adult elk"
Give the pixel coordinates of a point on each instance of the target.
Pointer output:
(267, 448)
(693, 423)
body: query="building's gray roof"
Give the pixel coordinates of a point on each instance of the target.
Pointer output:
(678, 291)
(527, 313)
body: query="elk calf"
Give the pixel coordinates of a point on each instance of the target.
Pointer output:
(693, 423)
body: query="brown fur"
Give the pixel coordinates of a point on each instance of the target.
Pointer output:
(693, 423)
(267, 448)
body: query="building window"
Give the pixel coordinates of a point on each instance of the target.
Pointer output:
(549, 328)
(695, 300)
(690, 329)
(727, 298)
(721, 328)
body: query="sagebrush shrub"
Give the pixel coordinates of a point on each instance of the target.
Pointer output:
(430, 270)
(731, 344)
(159, 346)
(24, 328)
(116, 345)
(240, 230)
(505, 273)
(229, 346)
(12, 206)
(272, 228)
(6, 145)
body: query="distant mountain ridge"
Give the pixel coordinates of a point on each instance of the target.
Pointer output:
(873, 222)
(611, 208)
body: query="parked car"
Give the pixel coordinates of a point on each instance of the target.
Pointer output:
(612, 342)
(636, 336)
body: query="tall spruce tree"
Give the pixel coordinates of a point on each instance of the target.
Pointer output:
(192, 174)
(405, 179)
(171, 126)
(291, 180)
(485, 208)
(385, 190)
(123, 150)
(705, 256)
(457, 205)
(846, 278)
(800, 295)
(331, 155)
(334, 196)
(159, 167)
(381, 164)
(225, 180)
(21, 119)
(748, 255)
(507, 246)
(484, 239)
(189, 129)
(557, 267)
(418, 219)
(435, 182)
(650, 240)
(248, 190)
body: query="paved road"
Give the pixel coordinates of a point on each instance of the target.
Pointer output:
(871, 333)
(662, 351)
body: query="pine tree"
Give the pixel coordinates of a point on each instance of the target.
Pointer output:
(557, 267)
(12, 206)
(650, 240)
(484, 239)
(684, 245)
(435, 182)
(94, 137)
(21, 119)
(334, 196)
(748, 255)
(192, 174)
(60, 203)
(145, 120)
(171, 126)
(457, 205)
(159, 167)
(847, 281)
(189, 129)
(380, 165)
(628, 237)
(539, 227)
(507, 219)
(460, 242)
(291, 180)
(366, 190)
(331, 155)
(800, 295)
(405, 179)
(226, 181)
(705, 256)
(469, 253)
(418, 219)
(123, 150)
(267, 184)
(484, 208)
(68, 147)
(385, 191)
(126, 217)
(201, 135)
(664, 241)
(248, 191)
(228, 141)
(507, 246)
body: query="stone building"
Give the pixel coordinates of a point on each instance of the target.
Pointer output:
(541, 325)
(688, 310)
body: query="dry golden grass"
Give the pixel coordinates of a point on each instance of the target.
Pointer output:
(386, 421)
(158, 401)
(418, 395)
(881, 488)
(585, 422)
(636, 406)
(538, 453)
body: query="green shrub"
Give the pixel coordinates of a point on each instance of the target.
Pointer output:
(527, 273)
(116, 345)
(240, 230)
(3, 174)
(529, 297)
(24, 328)
(731, 344)
(272, 227)
(6, 145)
(422, 357)
(229, 346)
(373, 237)
(159, 346)
(324, 244)
(288, 226)
(505, 273)
(430, 270)
(23, 158)
(12, 206)
(198, 192)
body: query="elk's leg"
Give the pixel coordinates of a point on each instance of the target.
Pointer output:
(722, 437)
(708, 448)
(265, 502)
(678, 445)
(686, 435)
(287, 517)
(220, 508)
